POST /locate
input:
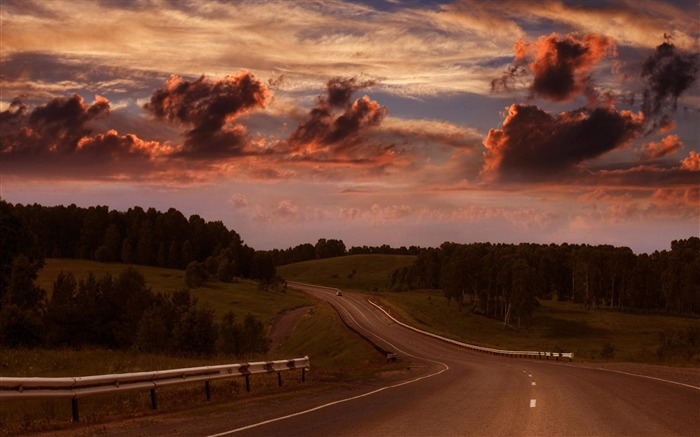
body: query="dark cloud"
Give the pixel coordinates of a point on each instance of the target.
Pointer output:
(329, 136)
(209, 108)
(560, 66)
(667, 74)
(340, 90)
(56, 140)
(56, 126)
(534, 145)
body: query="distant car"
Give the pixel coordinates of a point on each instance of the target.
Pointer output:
(338, 293)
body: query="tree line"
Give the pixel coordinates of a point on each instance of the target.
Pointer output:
(138, 236)
(121, 312)
(505, 281)
(331, 248)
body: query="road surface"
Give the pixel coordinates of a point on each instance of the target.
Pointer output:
(456, 392)
(465, 393)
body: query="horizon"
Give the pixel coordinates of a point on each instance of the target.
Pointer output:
(371, 244)
(372, 122)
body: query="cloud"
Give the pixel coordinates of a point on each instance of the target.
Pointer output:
(54, 127)
(560, 65)
(667, 74)
(328, 136)
(239, 201)
(666, 147)
(534, 145)
(56, 140)
(209, 108)
(634, 23)
(692, 162)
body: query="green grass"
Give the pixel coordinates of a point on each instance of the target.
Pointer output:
(241, 297)
(336, 354)
(371, 271)
(555, 327)
(335, 350)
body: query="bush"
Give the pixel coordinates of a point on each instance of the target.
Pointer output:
(679, 343)
(195, 275)
(608, 351)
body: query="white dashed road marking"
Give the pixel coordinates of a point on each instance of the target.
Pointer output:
(533, 402)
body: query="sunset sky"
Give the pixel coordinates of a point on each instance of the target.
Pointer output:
(375, 122)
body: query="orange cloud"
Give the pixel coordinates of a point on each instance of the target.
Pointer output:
(326, 136)
(666, 147)
(692, 162)
(560, 66)
(534, 145)
(210, 108)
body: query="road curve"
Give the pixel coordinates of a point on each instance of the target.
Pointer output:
(465, 393)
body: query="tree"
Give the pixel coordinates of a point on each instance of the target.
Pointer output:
(195, 333)
(226, 271)
(263, 268)
(253, 336)
(195, 275)
(63, 313)
(230, 335)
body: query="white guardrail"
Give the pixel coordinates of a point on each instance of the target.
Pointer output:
(522, 354)
(12, 388)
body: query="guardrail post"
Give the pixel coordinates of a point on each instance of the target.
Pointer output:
(154, 399)
(247, 383)
(74, 408)
(303, 374)
(279, 379)
(207, 390)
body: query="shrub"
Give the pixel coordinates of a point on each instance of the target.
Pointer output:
(195, 275)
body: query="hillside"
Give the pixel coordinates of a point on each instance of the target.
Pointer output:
(358, 272)
(598, 334)
(241, 297)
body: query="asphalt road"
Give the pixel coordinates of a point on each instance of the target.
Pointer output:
(465, 393)
(454, 392)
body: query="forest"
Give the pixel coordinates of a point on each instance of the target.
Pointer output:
(121, 312)
(505, 281)
(502, 281)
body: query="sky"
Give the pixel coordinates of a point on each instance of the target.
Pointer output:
(374, 122)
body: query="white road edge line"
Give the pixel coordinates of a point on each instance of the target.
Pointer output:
(277, 419)
(300, 413)
(648, 377)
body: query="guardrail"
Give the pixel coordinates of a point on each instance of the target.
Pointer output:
(12, 388)
(519, 354)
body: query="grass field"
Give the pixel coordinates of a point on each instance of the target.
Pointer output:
(241, 297)
(595, 335)
(336, 354)
(371, 272)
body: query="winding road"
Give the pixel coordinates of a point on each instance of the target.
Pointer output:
(465, 393)
(455, 392)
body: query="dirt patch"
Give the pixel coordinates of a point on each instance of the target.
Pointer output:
(283, 325)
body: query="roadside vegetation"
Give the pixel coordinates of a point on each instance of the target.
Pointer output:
(593, 333)
(92, 291)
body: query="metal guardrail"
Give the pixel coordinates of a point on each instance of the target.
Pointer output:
(520, 354)
(12, 388)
